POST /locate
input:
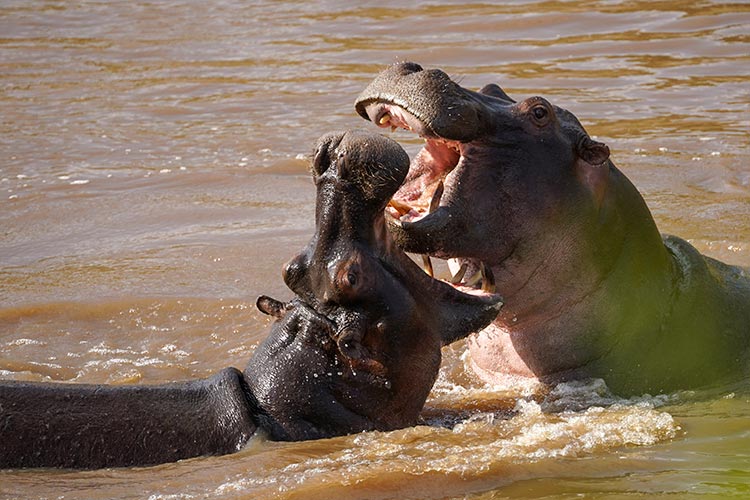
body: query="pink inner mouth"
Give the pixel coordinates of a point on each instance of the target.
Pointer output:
(428, 170)
(421, 192)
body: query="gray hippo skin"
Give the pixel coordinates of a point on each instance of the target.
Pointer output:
(591, 288)
(95, 426)
(358, 349)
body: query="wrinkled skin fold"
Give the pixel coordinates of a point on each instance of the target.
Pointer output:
(591, 288)
(357, 349)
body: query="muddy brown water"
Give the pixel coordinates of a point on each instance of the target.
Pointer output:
(153, 180)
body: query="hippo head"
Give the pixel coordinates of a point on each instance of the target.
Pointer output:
(359, 347)
(494, 176)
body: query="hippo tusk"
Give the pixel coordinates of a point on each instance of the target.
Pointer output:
(456, 278)
(428, 266)
(401, 208)
(488, 279)
(474, 279)
(436, 196)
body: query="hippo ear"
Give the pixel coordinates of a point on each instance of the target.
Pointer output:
(591, 168)
(495, 91)
(591, 151)
(270, 306)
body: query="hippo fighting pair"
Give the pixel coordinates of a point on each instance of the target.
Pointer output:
(517, 197)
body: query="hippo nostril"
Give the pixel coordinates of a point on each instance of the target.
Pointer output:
(322, 157)
(321, 160)
(409, 67)
(293, 271)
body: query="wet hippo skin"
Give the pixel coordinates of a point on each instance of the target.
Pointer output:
(357, 349)
(95, 426)
(591, 288)
(371, 322)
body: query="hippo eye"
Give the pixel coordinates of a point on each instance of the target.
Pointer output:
(352, 279)
(540, 112)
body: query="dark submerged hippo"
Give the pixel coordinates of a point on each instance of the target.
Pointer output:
(591, 288)
(375, 321)
(357, 349)
(94, 426)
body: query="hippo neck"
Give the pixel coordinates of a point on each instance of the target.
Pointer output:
(555, 317)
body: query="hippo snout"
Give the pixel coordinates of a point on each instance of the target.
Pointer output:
(373, 165)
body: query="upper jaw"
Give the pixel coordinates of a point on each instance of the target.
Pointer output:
(441, 106)
(424, 185)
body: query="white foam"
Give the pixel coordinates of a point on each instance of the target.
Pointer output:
(24, 341)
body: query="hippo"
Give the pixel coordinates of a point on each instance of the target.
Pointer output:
(591, 288)
(356, 349)
(380, 319)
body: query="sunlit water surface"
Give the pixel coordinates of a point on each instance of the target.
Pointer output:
(153, 180)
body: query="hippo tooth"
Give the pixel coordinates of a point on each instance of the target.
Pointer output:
(473, 280)
(384, 119)
(456, 278)
(428, 265)
(454, 265)
(488, 279)
(435, 202)
(401, 208)
(392, 220)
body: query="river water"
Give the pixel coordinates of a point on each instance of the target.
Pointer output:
(153, 180)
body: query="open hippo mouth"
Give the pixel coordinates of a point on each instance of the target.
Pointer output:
(448, 118)
(384, 192)
(425, 183)
(360, 346)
